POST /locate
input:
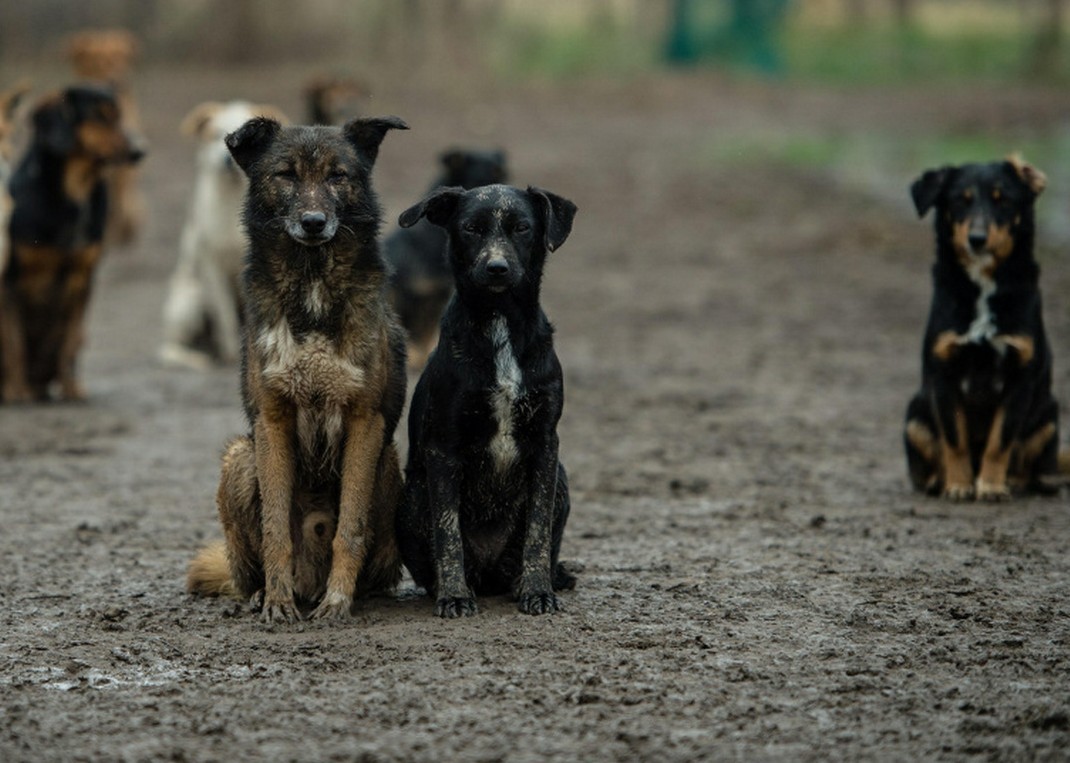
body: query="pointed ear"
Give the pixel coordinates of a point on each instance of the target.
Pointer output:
(557, 214)
(367, 133)
(1035, 180)
(53, 127)
(438, 207)
(249, 142)
(927, 189)
(194, 123)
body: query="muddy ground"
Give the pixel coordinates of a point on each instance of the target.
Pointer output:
(739, 339)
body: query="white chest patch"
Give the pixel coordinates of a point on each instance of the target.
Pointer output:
(983, 328)
(309, 372)
(504, 395)
(316, 299)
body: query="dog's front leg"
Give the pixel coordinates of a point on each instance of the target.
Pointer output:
(364, 444)
(453, 597)
(224, 308)
(535, 594)
(16, 387)
(1004, 431)
(273, 434)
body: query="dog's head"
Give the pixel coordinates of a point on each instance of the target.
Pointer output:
(499, 235)
(83, 122)
(982, 209)
(334, 100)
(471, 169)
(210, 123)
(103, 54)
(310, 182)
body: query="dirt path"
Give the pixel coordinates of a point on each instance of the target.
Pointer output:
(739, 342)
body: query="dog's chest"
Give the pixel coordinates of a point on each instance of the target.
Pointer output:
(311, 371)
(983, 326)
(506, 394)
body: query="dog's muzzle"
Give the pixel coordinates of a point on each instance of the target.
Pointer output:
(312, 228)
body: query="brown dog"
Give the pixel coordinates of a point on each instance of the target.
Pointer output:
(307, 499)
(56, 236)
(107, 56)
(9, 101)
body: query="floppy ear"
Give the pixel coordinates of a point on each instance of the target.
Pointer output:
(438, 207)
(197, 120)
(271, 112)
(1035, 180)
(53, 127)
(557, 214)
(9, 100)
(367, 133)
(927, 189)
(249, 142)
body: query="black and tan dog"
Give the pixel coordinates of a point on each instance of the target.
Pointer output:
(487, 498)
(60, 203)
(421, 281)
(984, 420)
(307, 499)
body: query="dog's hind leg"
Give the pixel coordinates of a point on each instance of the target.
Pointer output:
(382, 570)
(922, 447)
(563, 580)
(413, 535)
(238, 502)
(222, 305)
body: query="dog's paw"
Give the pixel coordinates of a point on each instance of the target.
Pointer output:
(335, 606)
(993, 492)
(542, 603)
(958, 492)
(456, 606)
(279, 611)
(256, 601)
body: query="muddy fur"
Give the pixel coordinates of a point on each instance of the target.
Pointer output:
(323, 377)
(60, 203)
(486, 498)
(984, 420)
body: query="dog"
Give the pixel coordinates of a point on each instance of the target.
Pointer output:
(307, 499)
(334, 100)
(421, 281)
(9, 101)
(486, 497)
(202, 314)
(107, 56)
(56, 239)
(984, 420)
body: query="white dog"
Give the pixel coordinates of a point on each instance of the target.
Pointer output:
(202, 315)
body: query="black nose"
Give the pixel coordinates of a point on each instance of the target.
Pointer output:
(978, 240)
(313, 222)
(497, 268)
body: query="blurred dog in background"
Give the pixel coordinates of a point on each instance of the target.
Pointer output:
(9, 101)
(202, 315)
(107, 56)
(421, 280)
(334, 100)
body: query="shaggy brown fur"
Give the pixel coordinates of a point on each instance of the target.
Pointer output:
(307, 499)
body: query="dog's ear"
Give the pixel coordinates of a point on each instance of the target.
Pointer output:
(195, 123)
(557, 214)
(1035, 180)
(438, 207)
(366, 133)
(10, 99)
(927, 189)
(53, 125)
(249, 142)
(271, 112)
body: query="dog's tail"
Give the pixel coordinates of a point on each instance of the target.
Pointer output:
(209, 572)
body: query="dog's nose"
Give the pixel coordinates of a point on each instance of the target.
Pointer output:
(497, 268)
(313, 222)
(977, 240)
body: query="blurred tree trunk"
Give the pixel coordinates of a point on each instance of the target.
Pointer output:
(1049, 39)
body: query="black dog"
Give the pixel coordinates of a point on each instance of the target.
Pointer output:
(486, 498)
(985, 406)
(421, 281)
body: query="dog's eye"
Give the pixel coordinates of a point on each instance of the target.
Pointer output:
(521, 228)
(470, 227)
(287, 174)
(337, 176)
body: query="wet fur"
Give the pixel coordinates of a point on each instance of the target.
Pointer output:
(486, 498)
(323, 379)
(421, 280)
(60, 203)
(984, 420)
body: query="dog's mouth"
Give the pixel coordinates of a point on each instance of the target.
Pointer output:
(311, 237)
